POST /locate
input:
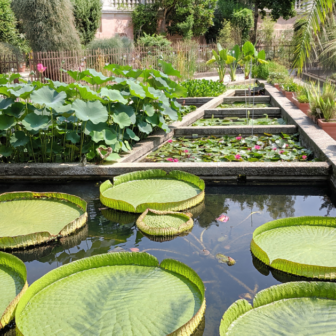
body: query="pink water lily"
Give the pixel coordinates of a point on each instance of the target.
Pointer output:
(176, 160)
(186, 151)
(170, 159)
(170, 141)
(286, 145)
(281, 152)
(238, 138)
(257, 147)
(304, 157)
(40, 68)
(134, 249)
(274, 148)
(237, 157)
(223, 218)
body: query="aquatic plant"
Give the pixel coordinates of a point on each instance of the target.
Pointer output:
(303, 246)
(203, 88)
(31, 218)
(231, 121)
(164, 223)
(153, 189)
(290, 309)
(112, 294)
(13, 279)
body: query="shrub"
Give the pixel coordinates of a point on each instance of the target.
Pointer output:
(203, 88)
(8, 33)
(225, 35)
(153, 41)
(243, 20)
(302, 99)
(115, 42)
(260, 71)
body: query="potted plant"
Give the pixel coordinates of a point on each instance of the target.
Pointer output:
(276, 79)
(289, 88)
(302, 101)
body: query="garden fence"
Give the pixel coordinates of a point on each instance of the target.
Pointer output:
(317, 72)
(9, 63)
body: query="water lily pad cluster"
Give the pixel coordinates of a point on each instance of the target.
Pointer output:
(96, 117)
(264, 148)
(232, 121)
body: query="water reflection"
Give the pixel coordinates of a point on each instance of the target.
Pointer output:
(247, 208)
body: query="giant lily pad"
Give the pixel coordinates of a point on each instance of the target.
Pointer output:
(294, 308)
(164, 223)
(114, 294)
(13, 279)
(303, 246)
(154, 189)
(31, 218)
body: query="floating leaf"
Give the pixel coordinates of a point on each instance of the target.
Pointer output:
(19, 139)
(93, 111)
(48, 97)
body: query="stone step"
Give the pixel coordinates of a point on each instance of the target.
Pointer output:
(248, 99)
(196, 101)
(272, 112)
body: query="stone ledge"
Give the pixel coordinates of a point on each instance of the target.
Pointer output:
(237, 112)
(249, 99)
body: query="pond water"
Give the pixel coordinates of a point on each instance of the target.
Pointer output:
(247, 206)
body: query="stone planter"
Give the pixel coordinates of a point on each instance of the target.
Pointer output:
(304, 107)
(328, 127)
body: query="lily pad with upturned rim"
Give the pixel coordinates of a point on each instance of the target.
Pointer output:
(153, 189)
(114, 294)
(13, 279)
(31, 218)
(294, 308)
(303, 246)
(164, 223)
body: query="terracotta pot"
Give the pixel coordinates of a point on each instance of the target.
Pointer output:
(277, 86)
(304, 107)
(22, 67)
(247, 77)
(289, 96)
(328, 127)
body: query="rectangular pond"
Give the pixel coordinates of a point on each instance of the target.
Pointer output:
(246, 206)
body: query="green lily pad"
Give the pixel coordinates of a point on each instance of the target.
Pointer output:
(304, 246)
(16, 110)
(19, 138)
(93, 111)
(13, 279)
(6, 122)
(294, 308)
(48, 97)
(35, 122)
(154, 189)
(164, 223)
(30, 218)
(114, 294)
(22, 92)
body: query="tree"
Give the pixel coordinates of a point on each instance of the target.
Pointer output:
(243, 21)
(87, 15)
(8, 32)
(49, 24)
(278, 8)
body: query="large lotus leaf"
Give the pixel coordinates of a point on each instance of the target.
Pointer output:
(48, 97)
(6, 122)
(73, 137)
(113, 95)
(94, 77)
(129, 110)
(5, 102)
(168, 69)
(145, 127)
(122, 119)
(136, 89)
(13, 279)
(35, 122)
(19, 139)
(304, 246)
(23, 92)
(149, 109)
(154, 120)
(93, 111)
(90, 127)
(132, 135)
(33, 218)
(167, 110)
(5, 151)
(164, 223)
(16, 110)
(138, 191)
(86, 93)
(294, 308)
(65, 110)
(114, 294)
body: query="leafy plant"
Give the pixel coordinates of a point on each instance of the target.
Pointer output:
(290, 86)
(203, 88)
(184, 110)
(260, 71)
(277, 78)
(243, 20)
(303, 99)
(185, 191)
(266, 148)
(58, 122)
(115, 42)
(243, 105)
(154, 40)
(8, 32)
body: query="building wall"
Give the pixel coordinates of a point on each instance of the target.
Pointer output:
(113, 23)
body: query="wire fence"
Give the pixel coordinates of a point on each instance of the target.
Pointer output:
(317, 72)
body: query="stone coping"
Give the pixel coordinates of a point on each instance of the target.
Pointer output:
(242, 112)
(249, 99)
(235, 130)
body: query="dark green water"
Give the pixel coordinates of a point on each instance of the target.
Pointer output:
(247, 207)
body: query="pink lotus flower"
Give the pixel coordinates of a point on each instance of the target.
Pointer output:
(274, 148)
(175, 160)
(281, 152)
(286, 145)
(134, 249)
(257, 147)
(304, 157)
(41, 68)
(237, 157)
(170, 141)
(223, 218)
(170, 159)
(186, 151)
(238, 138)
(249, 148)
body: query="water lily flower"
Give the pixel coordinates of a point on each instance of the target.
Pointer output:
(274, 148)
(237, 157)
(249, 148)
(186, 151)
(134, 249)
(41, 68)
(286, 145)
(223, 218)
(304, 157)
(170, 141)
(238, 138)
(257, 147)
(170, 159)
(281, 152)
(176, 160)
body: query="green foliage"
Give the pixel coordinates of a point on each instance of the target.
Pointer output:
(115, 42)
(225, 35)
(290, 86)
(49, 25)
(243, 20)
(203, 88)
(87, 15)
(8, 32)
(232, 121)
(303, 99)
(260, 71)
(154, 40)
(62, 122)
(145, 19)
(265, 148)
